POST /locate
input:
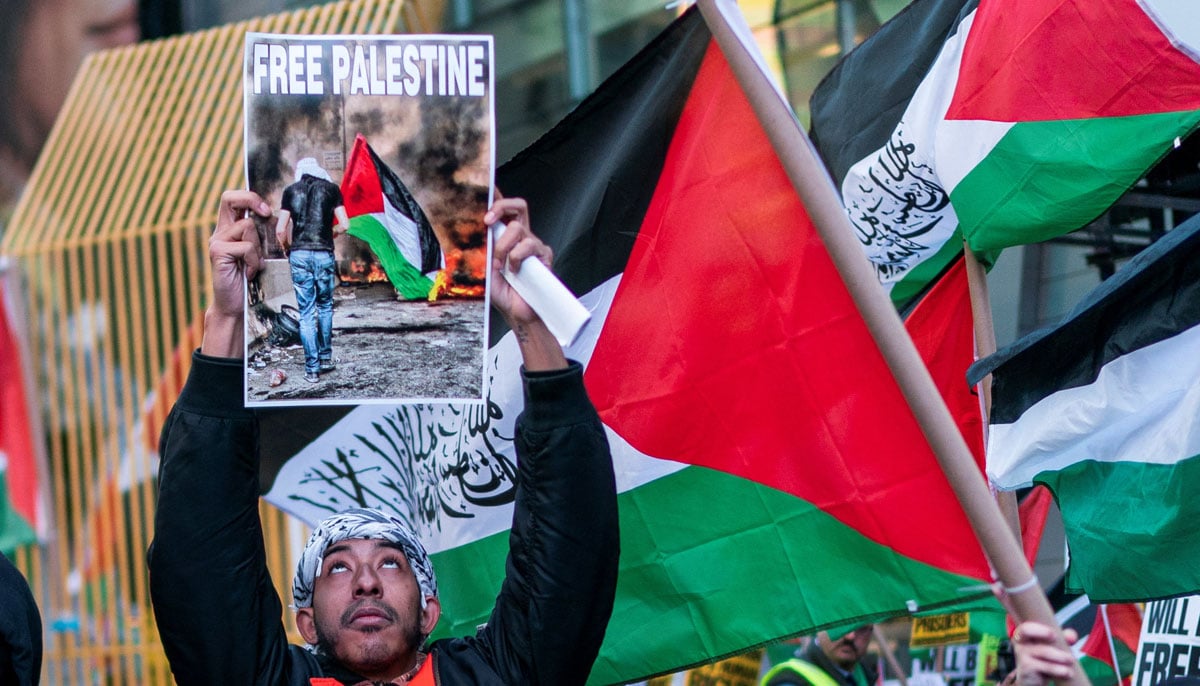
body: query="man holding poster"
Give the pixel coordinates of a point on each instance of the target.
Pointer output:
(365, 593)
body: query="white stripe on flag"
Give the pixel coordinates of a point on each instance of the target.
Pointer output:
(1177, 19)
(299, 491)
(404, 233)
(892, 195)
(1144, 407)
(963, 144)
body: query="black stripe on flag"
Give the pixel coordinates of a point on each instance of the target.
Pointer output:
(857, 105)
(398, 194)
(589, 180)
(1153, 298)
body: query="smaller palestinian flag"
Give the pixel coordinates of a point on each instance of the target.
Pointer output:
(1104, 409)
(1107, 654)
(385, 215)
(1003, 123)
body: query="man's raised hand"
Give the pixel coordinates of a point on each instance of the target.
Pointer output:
(539, 349)
(235, 254)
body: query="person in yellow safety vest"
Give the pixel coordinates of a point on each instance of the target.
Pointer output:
(828, 661)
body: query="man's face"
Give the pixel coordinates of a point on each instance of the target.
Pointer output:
(848, 649)
(366, 608)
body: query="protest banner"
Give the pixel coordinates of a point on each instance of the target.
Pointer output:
(1169, 646)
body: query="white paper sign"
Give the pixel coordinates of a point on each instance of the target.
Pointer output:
(1169, 645)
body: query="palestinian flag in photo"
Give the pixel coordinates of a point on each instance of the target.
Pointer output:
(385, 215)
(1004, 123)
(772, 481)
(1104, 409)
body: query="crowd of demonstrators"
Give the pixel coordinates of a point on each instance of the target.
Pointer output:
(365, 594)
(840, 660)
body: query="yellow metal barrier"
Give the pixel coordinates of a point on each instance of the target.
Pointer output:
(110, 237)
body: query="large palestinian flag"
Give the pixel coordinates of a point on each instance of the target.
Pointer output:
(1004, 122)
(384, 214)
(772, 479)
(1104, 409)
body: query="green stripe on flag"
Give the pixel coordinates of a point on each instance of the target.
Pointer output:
(408, 281)
(14, 530)
(692, 583)
(926, 272)
(1117, 511)
(1043, 179)
(1098, 672)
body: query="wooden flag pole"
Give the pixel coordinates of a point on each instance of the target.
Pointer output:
(985, 344)
(816, 191)
(1112, 642)
(889, 655)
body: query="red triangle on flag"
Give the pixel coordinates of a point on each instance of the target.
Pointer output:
(763, 367)
(361, 190)
(1052, 60)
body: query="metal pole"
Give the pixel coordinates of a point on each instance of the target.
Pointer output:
(578, 49)
(462, 13)
(847, 25)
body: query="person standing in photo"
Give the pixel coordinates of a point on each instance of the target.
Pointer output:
(311, 215)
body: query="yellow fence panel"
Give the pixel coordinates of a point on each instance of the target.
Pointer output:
(110, 242)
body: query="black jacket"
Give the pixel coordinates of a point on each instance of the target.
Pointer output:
(220, 617)
(312, 202)
(20, 629)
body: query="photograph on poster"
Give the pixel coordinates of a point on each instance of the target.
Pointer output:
(376, 155)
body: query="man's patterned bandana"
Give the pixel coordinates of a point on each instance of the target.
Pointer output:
(360, 523)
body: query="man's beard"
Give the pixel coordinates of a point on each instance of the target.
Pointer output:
(412, 636)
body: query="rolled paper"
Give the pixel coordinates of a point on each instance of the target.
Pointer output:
(558, 307)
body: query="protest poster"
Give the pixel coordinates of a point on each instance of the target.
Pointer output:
(955, 665)
(376, 155)
(1169, 645)
(956, 649)
(945, 629)
(739, 670)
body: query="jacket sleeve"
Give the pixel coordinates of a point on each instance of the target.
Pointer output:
(217, 612)
(20, 629)
(561, 573)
